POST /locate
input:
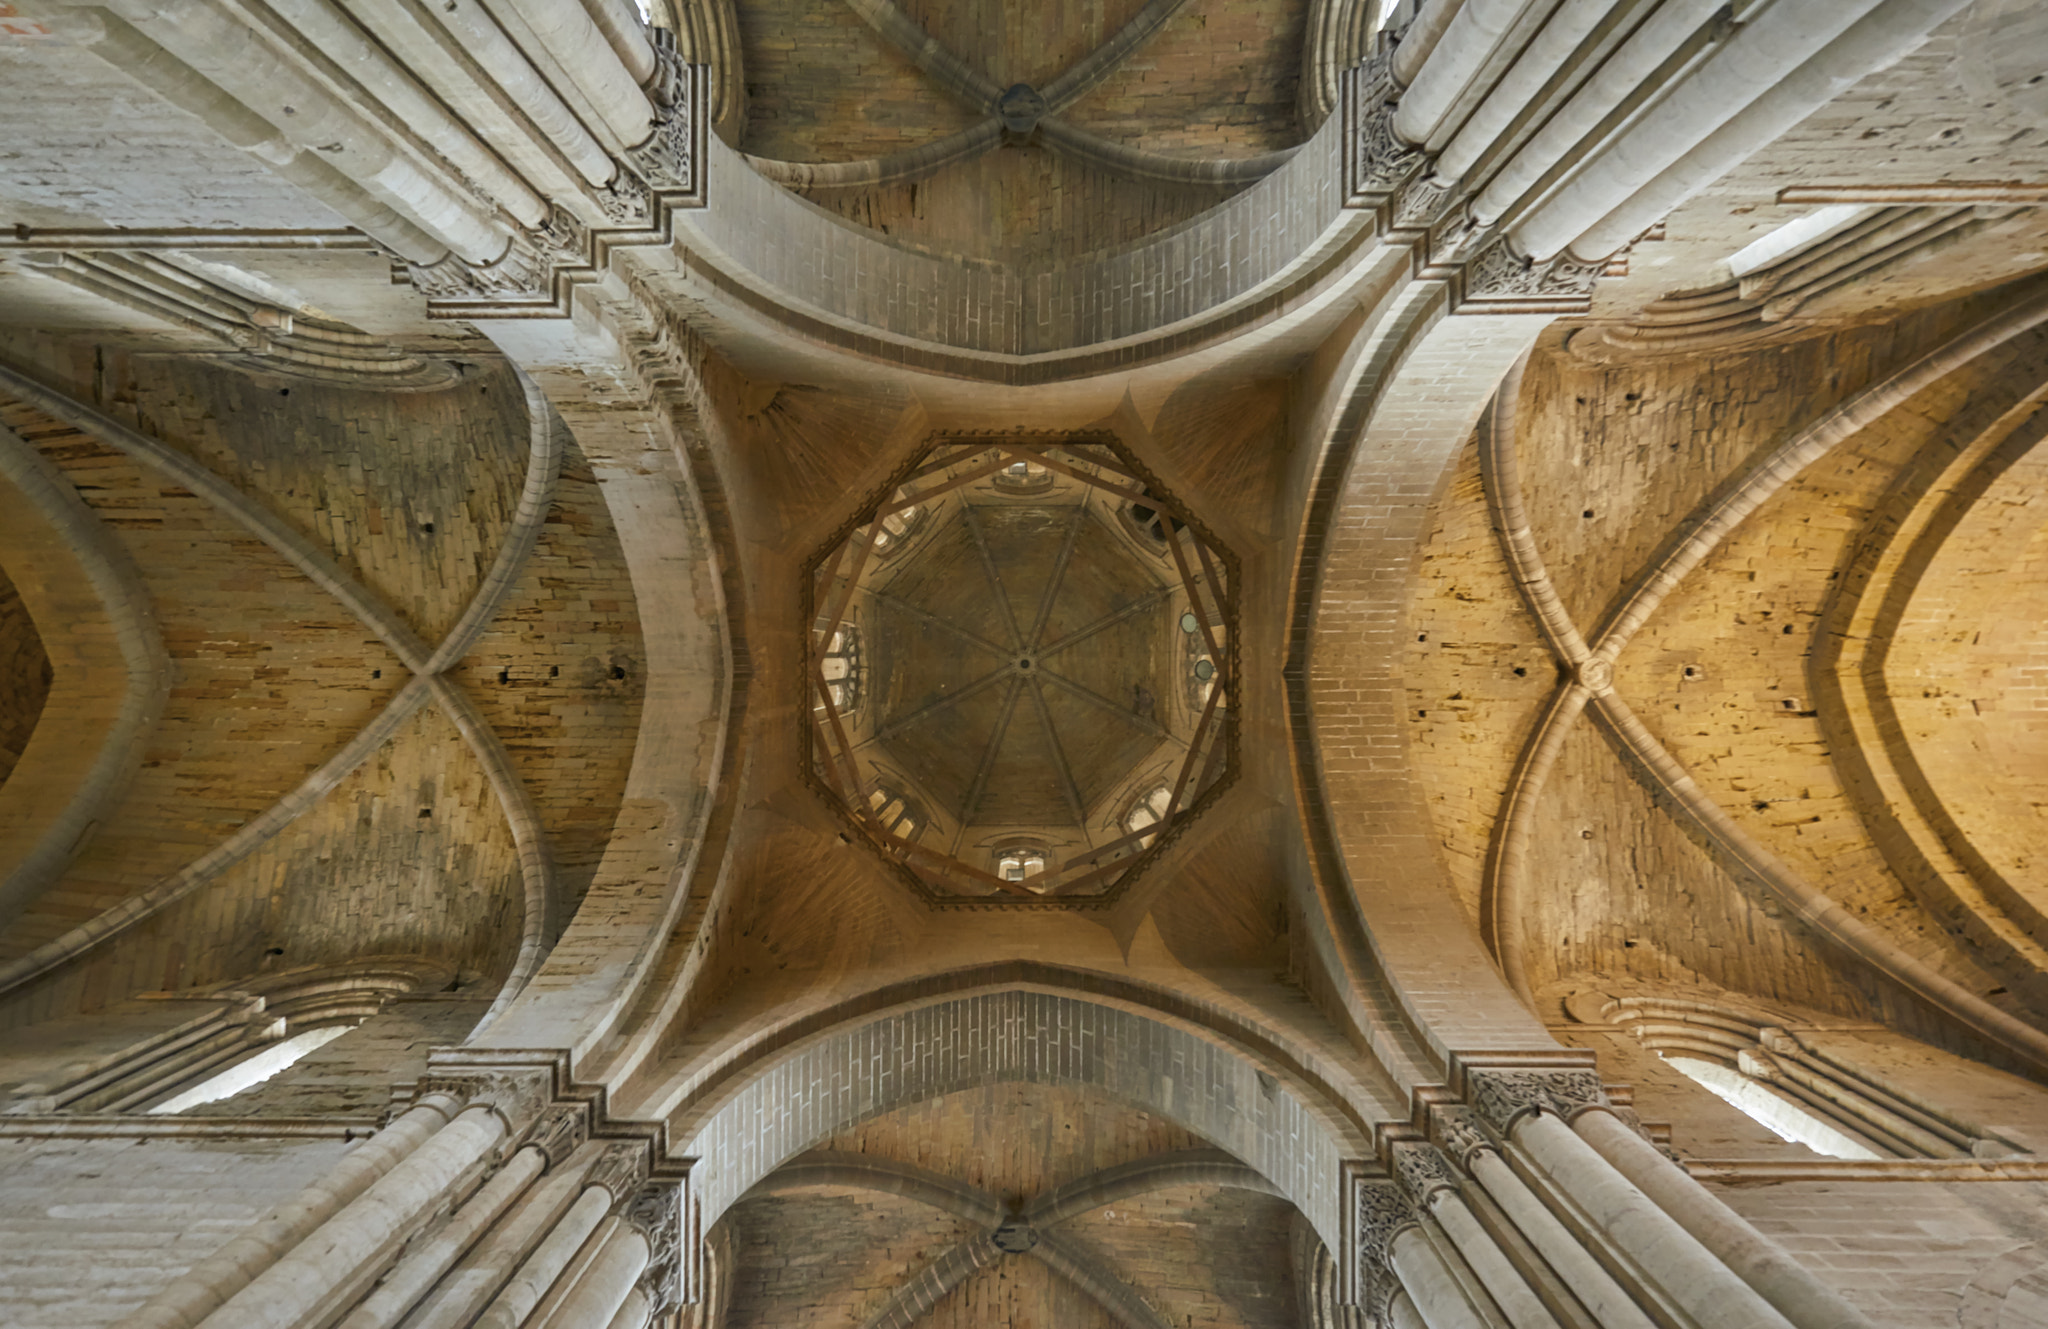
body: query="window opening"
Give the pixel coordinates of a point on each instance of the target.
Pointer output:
(1019, 862)
(896, 526)
(894, 813)
(840, 665)
(266, 1064)
(1148, 810)
(1024, 476)
(1148, 521)
(1795, 235)
(1780, 1116)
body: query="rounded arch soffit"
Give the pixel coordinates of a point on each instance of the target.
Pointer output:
(849, 1064)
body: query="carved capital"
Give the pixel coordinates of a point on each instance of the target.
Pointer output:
(1420, 202)
(627, 201)
(672, 160)
(657, 1210)
(1502, 1097)
(1497, 275)
(517, 1096)
(1380, 1214)
(561, 238)
(522, 272)
(1459, 1134)
(1376, 161)
(560, 1131)
(1422, 1171)
(620, 1169)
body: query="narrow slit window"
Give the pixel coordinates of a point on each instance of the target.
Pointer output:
(253, 1070)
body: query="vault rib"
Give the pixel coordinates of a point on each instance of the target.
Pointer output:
(1059, 573)
(1138, 606)
(970, 807)
(1059, 758)
(1123, 713)
(931, 708)
(995, 578)
(926, 616)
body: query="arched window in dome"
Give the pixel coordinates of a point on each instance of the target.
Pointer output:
(1024, 477)
(1020, 862)
(894, 813)
(1148, 809)
(840, 663)
(895, 529)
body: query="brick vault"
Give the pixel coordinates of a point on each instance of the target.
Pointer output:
(733, 663)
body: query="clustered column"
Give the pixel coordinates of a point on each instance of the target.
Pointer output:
(481, 1205)
(1541, 1206)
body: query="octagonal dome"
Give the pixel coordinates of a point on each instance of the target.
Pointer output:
(1020, 663)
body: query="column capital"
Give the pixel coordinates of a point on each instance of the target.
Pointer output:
(516, 1095)
(620, 1169)
(1422, 1170)
(1503, 1097)
(561, 1130)
(657, 1210)
(1459, 1134)
(1380, 1213)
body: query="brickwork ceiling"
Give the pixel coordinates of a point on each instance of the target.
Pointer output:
(1023, 666)
(1024, 658)
(1217, 80)
(24, 676)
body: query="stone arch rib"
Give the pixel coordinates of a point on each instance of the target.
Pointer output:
(858, 1069)
(1589, 680)
(118, 587)
(544, 455)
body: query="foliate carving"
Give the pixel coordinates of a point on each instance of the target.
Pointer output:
(1422, 1171)
(516, 1096)
(619, 1169)
(666, 161)
(669, 161)
(1460, 1134)
(671, 84)
(1502, 1096)
(657, 1210)
(522, 271)
(1498, 273)
(559, 1133)
(561, 237)
(1375, 157)
(627, 201)
(1420, 202)
(1381, 1214)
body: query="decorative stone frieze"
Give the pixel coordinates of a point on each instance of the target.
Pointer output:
(1500, 1097)
(1422, 1171)
(620, 1169)
(1420, 202)
(657, 1209)
(516, 1096)
(523, 271)
(1385, 172)
(561, 1130)
(1497, 276)
(542, 263)
(1459, 1134)
(1380, 1214)
(1376, 161)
